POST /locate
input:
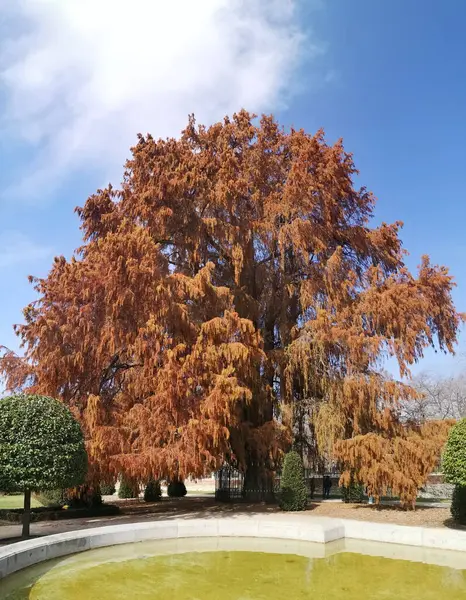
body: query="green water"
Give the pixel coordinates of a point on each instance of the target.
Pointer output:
(241, 575)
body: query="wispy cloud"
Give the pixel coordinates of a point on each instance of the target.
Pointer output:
(85, 76)
(16, 248)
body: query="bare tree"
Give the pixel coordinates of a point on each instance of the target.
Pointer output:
(442, 398)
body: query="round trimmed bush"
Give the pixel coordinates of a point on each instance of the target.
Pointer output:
(128, 489)
(153, 491)
(293, 492)
(41, 447)
(176, 489)
(41, 444)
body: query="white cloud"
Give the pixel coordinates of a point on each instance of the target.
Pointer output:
(86, 75)
(15, 248)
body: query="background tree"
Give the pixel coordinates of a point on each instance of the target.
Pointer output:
(230, 291)
(440, 398)
(41, 447)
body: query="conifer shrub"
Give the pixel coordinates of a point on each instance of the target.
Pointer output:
(352, 493)
(458, 504)
(128, 489)
(176, 489)
(293, 492)
(107, 489)
(454, 469)
(454, 456)
(153, 491)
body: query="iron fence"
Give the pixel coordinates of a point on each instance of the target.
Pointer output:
(230, 486)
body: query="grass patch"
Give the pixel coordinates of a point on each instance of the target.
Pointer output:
(17, 501)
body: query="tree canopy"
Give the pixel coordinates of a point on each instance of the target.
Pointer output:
(231, 290)
(41, 447)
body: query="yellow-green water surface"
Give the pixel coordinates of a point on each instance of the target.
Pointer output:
(244, 575)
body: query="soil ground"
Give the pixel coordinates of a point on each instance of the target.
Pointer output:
(133, 511)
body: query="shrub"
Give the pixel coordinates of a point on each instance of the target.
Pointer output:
(128, 489)
(353, 493)
(454, 469)
(50, 513)
(458, 504)
(176, 489)
(454, 456)
(222, 495)
(84, 496)
(153, 491)
(293, 492)
(51, 497)
(42, 447)
(107, 489)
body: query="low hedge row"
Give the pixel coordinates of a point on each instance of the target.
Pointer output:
(50, 513)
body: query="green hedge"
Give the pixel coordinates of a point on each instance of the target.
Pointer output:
(49, 513)
(84, 497)
(293, 492)
(51, 497)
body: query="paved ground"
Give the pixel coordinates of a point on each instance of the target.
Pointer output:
(137, 511)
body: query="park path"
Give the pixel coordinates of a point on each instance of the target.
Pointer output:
(136, 511)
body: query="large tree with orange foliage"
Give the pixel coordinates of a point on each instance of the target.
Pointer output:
(232, 280)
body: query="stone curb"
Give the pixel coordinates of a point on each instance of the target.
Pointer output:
(286, 527)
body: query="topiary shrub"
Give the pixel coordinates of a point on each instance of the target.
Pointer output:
(176, 489)
(107, 489)
(454, 456)
(153, 491)
(454, 469)
(41, 447)
(128, 489)
(293, 492)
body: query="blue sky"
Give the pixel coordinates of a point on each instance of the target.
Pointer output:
(79, 79)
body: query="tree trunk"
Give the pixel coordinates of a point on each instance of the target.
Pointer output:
(258, 484)
(26, 514)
